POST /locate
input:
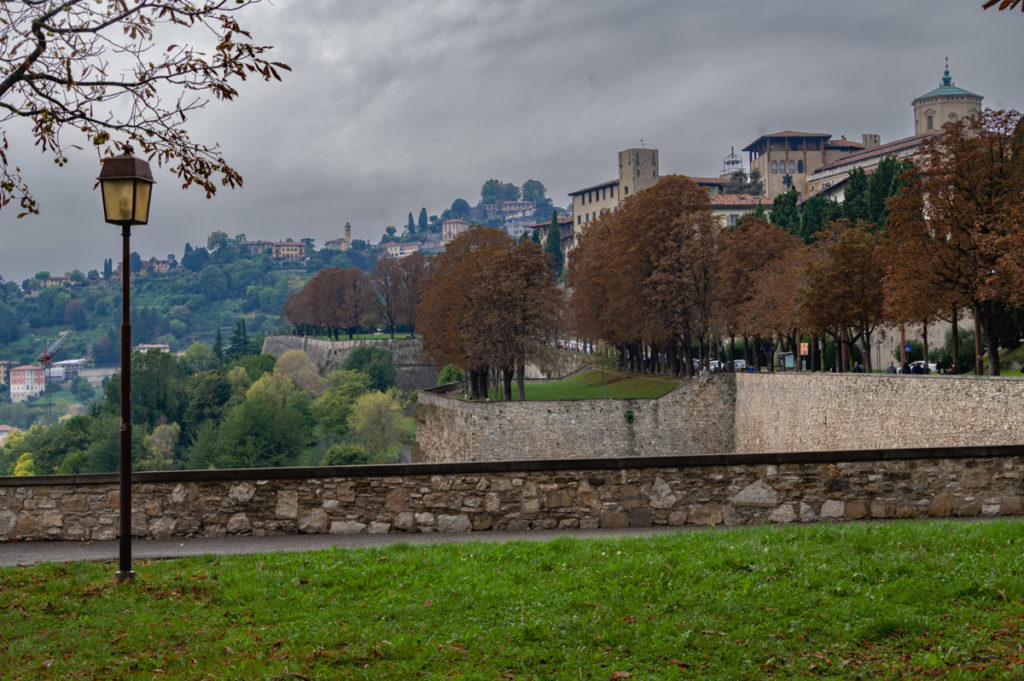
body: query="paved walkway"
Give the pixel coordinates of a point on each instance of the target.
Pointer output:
(29, 553)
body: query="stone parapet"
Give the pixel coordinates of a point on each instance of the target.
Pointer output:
(733, 489)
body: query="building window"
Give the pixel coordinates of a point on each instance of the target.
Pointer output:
(930, 123)
(775, 167)
(626, 192)
(733, 219)
(579, 219)
(800, 166)
(792, 167)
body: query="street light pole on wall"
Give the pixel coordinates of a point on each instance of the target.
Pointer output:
(126, 183)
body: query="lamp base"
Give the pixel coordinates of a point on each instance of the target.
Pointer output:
(122, 577)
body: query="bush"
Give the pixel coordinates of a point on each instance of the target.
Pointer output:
(450, 374)
(376, 362)
(345, 455)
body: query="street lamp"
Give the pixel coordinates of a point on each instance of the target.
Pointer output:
(126, 182)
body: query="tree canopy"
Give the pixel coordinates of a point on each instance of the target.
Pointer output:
(118, 76)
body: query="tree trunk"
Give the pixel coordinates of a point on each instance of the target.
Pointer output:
(521, 380)
(924, 345)
(507, 376)
(955, 344)
(991, 345)
(979, 367)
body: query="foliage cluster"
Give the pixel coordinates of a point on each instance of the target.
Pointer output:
(199, 411)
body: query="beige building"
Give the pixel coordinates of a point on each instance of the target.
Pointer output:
(638, 170)
(452, 228)
(342, 244)
(785, 159)
(26, 381)
(729, 208)
(945, 104)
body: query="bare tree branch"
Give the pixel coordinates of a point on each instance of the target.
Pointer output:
(108, 70)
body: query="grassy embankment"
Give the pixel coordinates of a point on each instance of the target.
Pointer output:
(597, 384)
(898, 600)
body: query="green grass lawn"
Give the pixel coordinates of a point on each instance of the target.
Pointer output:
(596, 384)
(846, 601)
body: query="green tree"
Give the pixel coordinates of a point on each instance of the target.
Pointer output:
(333, 408)
(301, 371)
(855, 196)
(533, 190)
(160, 448)
(345, 455)
(450, 374)
(374, 361)
(553, 245)
(785, 213)
(25, 466)
(817, 213)
(460, 209)
(376, 422)
(411, 227)
(423, 223)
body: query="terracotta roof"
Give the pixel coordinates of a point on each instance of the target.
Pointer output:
(843, 144)
(23, 367)
(786, 133)
(547, 223)
(738, 200)
(882, 150)
(595, 186)
(707, 180)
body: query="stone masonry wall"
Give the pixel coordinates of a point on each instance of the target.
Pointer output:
(587, 493)
(413, 373)
(696, 418)
(795, 411)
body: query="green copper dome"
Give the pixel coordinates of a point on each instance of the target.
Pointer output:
(947, 89)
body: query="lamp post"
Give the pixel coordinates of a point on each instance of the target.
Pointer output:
(126, 183)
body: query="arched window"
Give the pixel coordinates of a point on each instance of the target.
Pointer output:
(792, 167)
(799, 166)
(775, 166)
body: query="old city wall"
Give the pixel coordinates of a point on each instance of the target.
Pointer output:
(413, 373)
(696, 418)
(794, 411)
(735, 489)
(733, 413)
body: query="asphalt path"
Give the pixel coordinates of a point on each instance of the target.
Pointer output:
(13, 554)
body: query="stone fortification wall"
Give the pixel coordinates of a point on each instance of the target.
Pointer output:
(413, 373)
(795, 411)
(696, 418)
(733, 489)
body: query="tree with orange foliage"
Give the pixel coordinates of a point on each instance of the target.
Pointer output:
(843, 291)
(489, 304)
(338, 300)
(960, 215)
(751, 246)
(643, 278)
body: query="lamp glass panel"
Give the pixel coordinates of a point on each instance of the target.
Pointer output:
(142, 195)
(117, 200)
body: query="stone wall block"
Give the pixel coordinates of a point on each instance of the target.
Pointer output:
(347, 527)
(833, 508)
(660, 494)
(378, 527)
(941, 506)
(705, 514)
(239, 524)
(162, 528)
(614, 519)
(314, 521)
(783, 514)
(395, 500)
(242, 492)
(1009, 505)
(454, 523)
(641, 517)
(405, 522)
(287, 504)
(757, 494)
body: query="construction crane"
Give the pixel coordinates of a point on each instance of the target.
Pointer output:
(44, 361)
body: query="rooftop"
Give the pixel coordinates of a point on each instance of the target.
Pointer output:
(948, 89)
(609, 183)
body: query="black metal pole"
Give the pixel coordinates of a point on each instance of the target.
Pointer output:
(125, 573)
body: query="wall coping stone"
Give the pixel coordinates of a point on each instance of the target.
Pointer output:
(524, 466)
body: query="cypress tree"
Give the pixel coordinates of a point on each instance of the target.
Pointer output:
(553, 245)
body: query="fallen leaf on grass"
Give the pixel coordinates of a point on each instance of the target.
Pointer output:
(621, 675)
(678, 663)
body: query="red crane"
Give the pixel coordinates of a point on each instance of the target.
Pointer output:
(51, 350)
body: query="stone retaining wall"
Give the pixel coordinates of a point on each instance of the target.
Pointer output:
(796, 411)
(696, 418)
(585, 493)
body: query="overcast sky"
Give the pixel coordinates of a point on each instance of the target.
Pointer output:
(396, 105)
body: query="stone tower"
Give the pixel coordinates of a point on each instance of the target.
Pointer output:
(638, 170)
(944, 104)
